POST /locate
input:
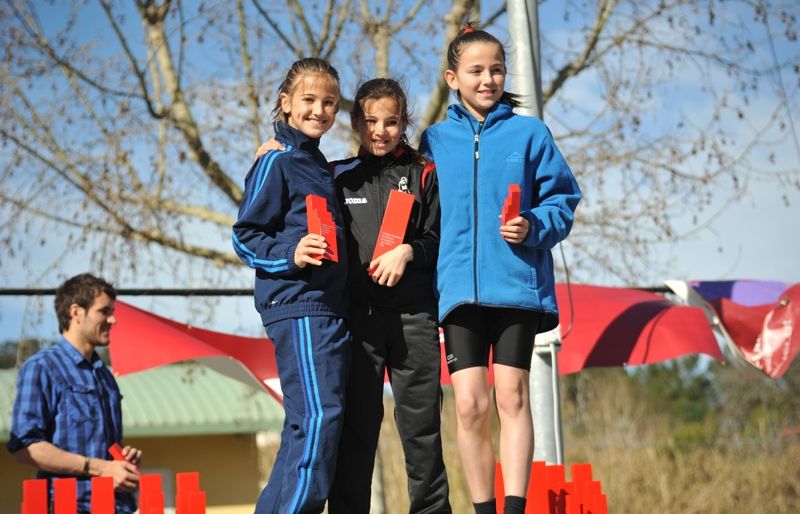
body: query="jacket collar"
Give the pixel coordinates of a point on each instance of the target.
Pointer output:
(500, 111)
(398, 152)
(289, 135)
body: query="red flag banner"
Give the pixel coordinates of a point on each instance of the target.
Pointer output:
(614, 326)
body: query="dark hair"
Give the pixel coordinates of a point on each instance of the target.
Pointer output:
(471, 34)
(81, 290)
(381, 88)
(385, 88)
(305, 66)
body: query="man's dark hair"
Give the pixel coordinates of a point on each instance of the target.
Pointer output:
(81, 290)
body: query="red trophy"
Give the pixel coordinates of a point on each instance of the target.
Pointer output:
(320, 221)
(395, 220)
(115, 450)
(511, 205)
(66, 495)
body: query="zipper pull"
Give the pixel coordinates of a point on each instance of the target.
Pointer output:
(477, 154)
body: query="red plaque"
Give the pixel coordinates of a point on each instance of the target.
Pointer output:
(320, 221)
(34, 496)
(511, 205)
(66, 493)
(115, 450)
(102, 495)
(395, 220)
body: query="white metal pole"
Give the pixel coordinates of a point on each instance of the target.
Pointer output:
(525, 75)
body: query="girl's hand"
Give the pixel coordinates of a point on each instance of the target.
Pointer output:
(310, 250)
(272, 144)
(516, 231)
(388, 269)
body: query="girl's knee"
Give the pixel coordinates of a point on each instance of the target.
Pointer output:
(513, 399)
(472, 409)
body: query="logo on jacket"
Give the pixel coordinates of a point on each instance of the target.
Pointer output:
(354, 201)
(403, 184)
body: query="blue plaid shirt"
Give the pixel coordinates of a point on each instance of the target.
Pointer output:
(73, 404)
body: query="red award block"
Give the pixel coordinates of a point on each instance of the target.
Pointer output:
(34, 496)
(499, 487)
(102, 495)
(151, 496)
(115, 450)
(66, 495)
(537, 489)
(511, 205)
(581, 473)
(591, 496)
(187, 483)
(555, 488)
(395, 221)
(603, 507)
(197, 502)
(320, 221)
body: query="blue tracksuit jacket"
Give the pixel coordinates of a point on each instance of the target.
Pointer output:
(475, 163)
(271, 222)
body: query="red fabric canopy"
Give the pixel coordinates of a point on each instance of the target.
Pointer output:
(757, 319)
(614, 326)
(766, 335)
(611, 327)
(142, 340)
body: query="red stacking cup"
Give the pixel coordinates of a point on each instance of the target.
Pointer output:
(34, 496)
(187, 483)
(102, 495)
(66, 495)
(197, 502)
(151, 495)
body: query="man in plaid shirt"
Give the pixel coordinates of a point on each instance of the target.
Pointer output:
(67, 411)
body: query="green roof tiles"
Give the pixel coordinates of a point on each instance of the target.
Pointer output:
(177, 400)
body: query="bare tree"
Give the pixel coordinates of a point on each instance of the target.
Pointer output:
(127, 128)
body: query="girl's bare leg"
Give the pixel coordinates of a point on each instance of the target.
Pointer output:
(471, 388)
(512, 395)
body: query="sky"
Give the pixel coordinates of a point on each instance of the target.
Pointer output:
(756, 237)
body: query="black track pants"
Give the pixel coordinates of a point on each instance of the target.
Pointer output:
(407, 345)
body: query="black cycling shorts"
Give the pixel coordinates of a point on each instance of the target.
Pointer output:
(471, 330)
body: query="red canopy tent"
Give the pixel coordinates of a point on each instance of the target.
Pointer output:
(142, 340)
(614, 326)
(757, 320)
(609, 327)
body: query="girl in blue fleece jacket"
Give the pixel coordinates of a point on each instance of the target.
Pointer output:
(302, 300)
(495, 281)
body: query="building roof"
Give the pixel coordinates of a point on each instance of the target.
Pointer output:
(177, 400)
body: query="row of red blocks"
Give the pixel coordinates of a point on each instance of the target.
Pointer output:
(189, 499)
(550, 493)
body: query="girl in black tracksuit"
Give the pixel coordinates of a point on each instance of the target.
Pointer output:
(392, 314)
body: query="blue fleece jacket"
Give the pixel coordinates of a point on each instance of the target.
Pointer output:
(476, 162)
(271, 222)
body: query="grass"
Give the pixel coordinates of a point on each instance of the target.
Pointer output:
(639, 475)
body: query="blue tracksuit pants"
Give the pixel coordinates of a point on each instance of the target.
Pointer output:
(313, 357)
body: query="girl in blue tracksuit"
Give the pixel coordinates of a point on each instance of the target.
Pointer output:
(496, 282)
(392, 313)
(301, 298)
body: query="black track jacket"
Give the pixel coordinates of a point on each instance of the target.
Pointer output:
(363, 184)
